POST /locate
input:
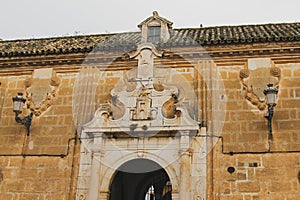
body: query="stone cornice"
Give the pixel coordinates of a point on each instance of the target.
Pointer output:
(222, 55)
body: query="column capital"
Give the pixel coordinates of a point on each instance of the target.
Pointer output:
(184, 132)
(104, 195)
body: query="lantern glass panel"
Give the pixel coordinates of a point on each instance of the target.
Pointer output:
(271, 98)
(18, 105)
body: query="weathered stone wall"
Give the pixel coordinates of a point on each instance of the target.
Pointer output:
(256, 176)
(264, 168)
(45, 164)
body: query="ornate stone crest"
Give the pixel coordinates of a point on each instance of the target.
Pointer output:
(41, 90)
(255, 78)
(142, 102)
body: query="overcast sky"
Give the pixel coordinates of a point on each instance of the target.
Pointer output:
(21, 19)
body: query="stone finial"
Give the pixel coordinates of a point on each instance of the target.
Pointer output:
(155, 14)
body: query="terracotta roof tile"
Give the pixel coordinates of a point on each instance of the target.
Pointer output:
(221, 35)
(50, 45)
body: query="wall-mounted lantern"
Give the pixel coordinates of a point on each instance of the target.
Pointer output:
(18, 103)
(271, 96)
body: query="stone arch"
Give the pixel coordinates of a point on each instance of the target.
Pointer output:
(110, 172)
(134, 177)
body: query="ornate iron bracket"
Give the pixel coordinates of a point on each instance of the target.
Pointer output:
(26, 121)
(269, 117)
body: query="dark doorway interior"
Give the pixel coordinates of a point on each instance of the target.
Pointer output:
(134, 178)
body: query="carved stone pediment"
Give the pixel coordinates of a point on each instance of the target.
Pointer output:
(148, 104)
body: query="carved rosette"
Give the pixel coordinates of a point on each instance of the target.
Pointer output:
(40, 96)
(81, 197)
(253, 82)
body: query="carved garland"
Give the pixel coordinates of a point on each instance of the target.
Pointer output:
(47, 102)
(250, 95)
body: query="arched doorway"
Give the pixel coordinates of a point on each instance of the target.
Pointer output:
(134, 179)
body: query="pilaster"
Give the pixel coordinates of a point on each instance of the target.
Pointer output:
(185, 166)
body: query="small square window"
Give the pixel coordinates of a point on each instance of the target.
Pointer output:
(153, 34)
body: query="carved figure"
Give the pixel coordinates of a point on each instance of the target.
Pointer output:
(169, 108)
(117, 108)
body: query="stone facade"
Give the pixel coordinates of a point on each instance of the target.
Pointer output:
(221, 147)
